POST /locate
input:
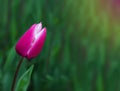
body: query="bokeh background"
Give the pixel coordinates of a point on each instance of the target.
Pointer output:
(82, 49)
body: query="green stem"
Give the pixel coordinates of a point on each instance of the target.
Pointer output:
(16, 74)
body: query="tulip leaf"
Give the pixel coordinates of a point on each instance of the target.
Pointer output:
(24, 80)
(10, 58)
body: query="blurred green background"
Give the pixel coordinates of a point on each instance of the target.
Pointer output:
(82, 49)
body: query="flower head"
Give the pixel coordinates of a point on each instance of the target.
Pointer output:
(32, 41)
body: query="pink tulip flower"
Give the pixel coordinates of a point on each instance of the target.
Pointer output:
(32, 41)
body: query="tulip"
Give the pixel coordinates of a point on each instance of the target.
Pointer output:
(32, 41)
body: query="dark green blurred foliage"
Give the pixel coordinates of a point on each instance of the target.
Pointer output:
(75, 56)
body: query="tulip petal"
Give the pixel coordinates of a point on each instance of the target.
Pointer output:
(37, 45)
(38, 27)
(24, 42)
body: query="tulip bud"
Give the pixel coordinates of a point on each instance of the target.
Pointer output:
(32, 41)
